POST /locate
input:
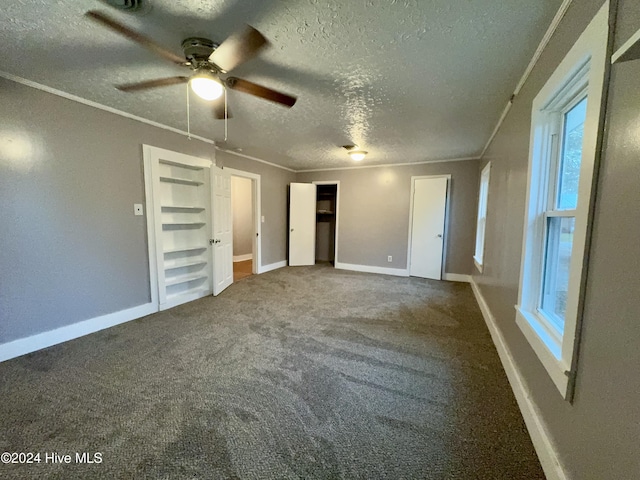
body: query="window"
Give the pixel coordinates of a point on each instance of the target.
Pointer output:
(482, 216)
(564, 130)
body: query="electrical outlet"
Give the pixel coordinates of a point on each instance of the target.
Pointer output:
(137, 209)
(389, 258)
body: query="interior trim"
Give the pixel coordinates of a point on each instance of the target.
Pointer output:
(398, 272)
(532, 63)
(388, 165)
(537, 427)
(22, 346)
(272, 266)
(99, 106)
(255, 159)
(456, 277)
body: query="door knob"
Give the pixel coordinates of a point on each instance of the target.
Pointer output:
(439, 235)
(292, 229)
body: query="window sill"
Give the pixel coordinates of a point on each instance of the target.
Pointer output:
(547, 348)
(477, 263)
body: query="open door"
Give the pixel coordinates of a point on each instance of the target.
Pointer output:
(429, 205)
(222, 240)
(302, 224)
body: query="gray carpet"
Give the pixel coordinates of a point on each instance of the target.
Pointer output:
(304, 372)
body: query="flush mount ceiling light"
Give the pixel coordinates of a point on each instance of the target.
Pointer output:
(206, 86)
(355, 153)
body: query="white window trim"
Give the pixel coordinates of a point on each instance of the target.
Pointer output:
(555, 349)
(481, 230)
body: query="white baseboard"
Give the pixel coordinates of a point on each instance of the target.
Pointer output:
(456, 277)
(272, 266)
(22, 346)
(243, 258)
(536, 425)
(398, 272)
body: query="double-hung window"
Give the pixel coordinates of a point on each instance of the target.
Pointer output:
(478, 256)
(564, 129)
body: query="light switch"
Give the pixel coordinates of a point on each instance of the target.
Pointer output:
(262, 218)
(137, 209)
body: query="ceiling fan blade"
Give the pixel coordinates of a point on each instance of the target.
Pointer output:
(160, 82)
(135, 36)
(218, 109)
(256, 90)
(238, 48)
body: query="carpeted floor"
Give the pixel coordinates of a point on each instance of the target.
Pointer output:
(304, 372)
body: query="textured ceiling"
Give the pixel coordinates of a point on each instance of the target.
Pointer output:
(406, 80)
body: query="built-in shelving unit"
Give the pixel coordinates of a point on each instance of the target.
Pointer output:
(630, 50)
(185, 230)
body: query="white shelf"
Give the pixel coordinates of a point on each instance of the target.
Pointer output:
(189, 263)
(182, 181)
(178, 164)
(185, 279)
(193, 292)
(183, 224)
(182, 207)
(185, 249)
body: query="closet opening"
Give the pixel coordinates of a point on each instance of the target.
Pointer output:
(326, 216)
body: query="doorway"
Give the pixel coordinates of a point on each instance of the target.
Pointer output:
(313, 222)
(245, 188)
(427, 225)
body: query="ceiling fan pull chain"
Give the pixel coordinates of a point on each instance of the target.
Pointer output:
(226, 116)
(188, 116)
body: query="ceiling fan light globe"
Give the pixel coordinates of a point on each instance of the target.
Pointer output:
(357, 155)
(206, 87)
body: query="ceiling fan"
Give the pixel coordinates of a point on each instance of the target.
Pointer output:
(208, 60)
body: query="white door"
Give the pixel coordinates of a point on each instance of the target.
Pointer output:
(179, 212)
(427, 227)
(302, 224)
(222, 229)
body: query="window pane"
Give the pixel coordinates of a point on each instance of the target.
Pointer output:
(556, 269)
(569, 174)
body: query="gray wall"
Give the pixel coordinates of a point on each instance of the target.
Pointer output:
(242, 203)
(71, 248)
(596, 436)
(374, 213)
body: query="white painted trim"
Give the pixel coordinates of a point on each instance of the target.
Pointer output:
(446, 218)
(99, 106)
(388, 165)
(272, 266)
(243, 258)
(477, 264)
(398, 272)
(255, 159)
(618, 55)
(256, 191)
(532, 63)
(22, 346)
(337, 184)
(456, 277)
(538, 430)
(151, 225)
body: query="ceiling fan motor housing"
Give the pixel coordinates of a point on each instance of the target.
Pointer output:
(197, 51)
(129, 5)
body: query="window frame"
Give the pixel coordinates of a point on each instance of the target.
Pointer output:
(481, 221)
(579, 74)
